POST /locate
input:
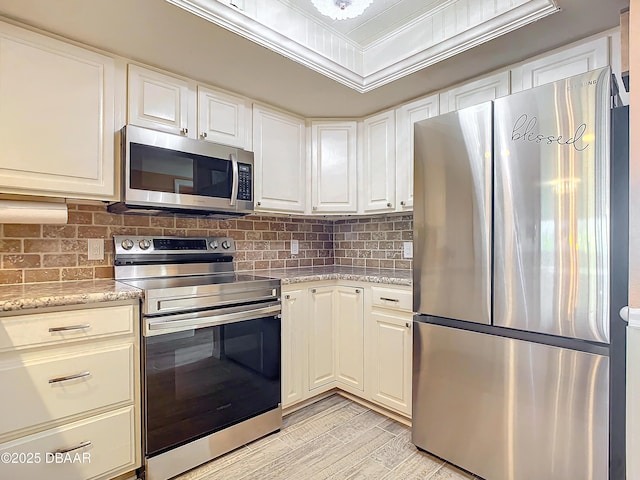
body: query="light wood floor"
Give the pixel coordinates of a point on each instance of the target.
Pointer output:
(334, 438)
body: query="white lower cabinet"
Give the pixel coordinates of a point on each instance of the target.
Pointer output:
(345, 340)
(73, 412)
(292, 326)
(390, 359)
(349, 320)
(321, 333)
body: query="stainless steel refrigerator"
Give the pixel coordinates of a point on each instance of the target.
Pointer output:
(513, 285)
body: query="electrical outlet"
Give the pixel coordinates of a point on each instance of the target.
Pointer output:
(294, 247)
(95, 249)
(407, 249)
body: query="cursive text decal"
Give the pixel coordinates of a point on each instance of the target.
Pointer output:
(525, 129)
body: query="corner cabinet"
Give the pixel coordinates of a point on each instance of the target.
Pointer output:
(57, 104)
(406, 117)
(349, 319)
(160, 101)
(321, 334)
(279, 161)
(378, 186)
(333, 167)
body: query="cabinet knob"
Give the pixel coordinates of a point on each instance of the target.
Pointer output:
(357, 290)
(408, 325)
(203, 134)
(315, 208)
(258, 203)
(313, 290)
(287, 297)
(184, 131)
(389, 204)
(403, 203)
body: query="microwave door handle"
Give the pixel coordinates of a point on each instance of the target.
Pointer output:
(234, 184)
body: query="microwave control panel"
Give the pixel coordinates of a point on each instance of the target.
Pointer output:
(244, 181)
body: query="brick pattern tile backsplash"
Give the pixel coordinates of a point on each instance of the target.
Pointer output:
(44, 253)
(373, 241)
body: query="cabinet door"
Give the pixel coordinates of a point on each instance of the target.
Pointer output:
(333, 167)
(391, 360)
(563, 64)
(321, 335)
(224, 118)
(349, 336)
(293, 318)
(379, 163)
(56, 117)
(279, 146)
(159, 101)
(406, 116)
(473, 93)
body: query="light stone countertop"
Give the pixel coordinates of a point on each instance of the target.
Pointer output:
(55, 294)
(339, 272)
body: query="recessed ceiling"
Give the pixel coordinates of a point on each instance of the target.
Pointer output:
(159, 34)
(391, 39)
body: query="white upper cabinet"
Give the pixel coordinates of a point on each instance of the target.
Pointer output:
(475, 92)
(333, 167)
(279, 161)
(406, 117)
(160, 102)
(224, 118)
(563, 64)
(56, 117)
(378, 186)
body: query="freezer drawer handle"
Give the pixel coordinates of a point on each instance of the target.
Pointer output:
(71, 449)
(70, 377)
(387, 299)
(69, 327)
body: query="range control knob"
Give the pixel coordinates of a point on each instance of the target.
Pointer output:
(226, 245)
(213, 244)
(144, 244)
(127, 244)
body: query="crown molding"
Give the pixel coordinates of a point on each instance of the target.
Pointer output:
(441, 33)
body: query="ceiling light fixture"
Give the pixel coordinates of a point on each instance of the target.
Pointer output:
(341, 9)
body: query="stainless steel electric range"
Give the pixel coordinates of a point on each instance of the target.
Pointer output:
(210, 349)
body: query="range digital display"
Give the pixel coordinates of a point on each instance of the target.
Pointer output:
(179, 244)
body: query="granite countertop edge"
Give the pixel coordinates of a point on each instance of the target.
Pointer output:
(15, 298)
(317, 274)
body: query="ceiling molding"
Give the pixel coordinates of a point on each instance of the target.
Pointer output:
(451, 27)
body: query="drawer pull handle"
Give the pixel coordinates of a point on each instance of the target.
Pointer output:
(77, 447)
(70, 377)
(387, 299)
(69, 327)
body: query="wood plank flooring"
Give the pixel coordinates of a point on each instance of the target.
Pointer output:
(333, 439)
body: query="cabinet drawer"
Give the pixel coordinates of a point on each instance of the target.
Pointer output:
(40, 329)
(43, 390)
(112, 449)
(392, 298)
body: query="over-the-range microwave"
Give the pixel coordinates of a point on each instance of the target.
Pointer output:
(164, 172)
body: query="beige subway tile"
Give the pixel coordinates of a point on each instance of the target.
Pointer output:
(11, 261)
(186, 222)
(80, 273)
(10, 246)
(22, 231)
(42, 275)
(60, 260)
(103, 218)
(103, 272)
(10, 276)
(137, 220)
(41, 245)
(92, 232)
(163, 222)
(80, 218)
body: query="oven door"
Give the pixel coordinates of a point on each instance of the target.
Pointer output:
(203, 377)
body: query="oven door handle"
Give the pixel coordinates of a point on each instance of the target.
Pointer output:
(177, 323)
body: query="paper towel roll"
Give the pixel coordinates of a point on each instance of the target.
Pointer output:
(32, 212)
